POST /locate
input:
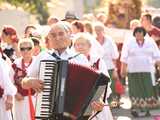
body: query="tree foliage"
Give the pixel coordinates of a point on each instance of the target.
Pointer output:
(121, 12)
(154, 3)
(37, 7)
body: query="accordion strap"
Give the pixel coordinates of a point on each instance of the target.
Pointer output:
(55, 56)
(104, 98)
(58, 58)
(74, 56)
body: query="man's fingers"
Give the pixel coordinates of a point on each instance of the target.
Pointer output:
(97, 106)
(37, 85)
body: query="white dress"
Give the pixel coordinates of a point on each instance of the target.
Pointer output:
(105, 114)
(21, 108)
(9, 89)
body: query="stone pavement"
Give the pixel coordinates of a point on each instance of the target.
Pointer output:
(123, 113)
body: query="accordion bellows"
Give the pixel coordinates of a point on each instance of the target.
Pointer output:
(81, 81)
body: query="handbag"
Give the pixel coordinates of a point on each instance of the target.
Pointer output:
(119, 88)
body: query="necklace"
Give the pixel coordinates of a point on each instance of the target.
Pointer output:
(24, 65)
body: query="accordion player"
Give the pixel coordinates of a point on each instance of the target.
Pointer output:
(68, 90)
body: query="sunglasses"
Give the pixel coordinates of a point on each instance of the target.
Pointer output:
(25, 48)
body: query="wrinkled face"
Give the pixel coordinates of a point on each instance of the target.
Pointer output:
(82, 46)
(58, 38)
(26, 49)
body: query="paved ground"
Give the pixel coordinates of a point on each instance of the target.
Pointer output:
(123, 113)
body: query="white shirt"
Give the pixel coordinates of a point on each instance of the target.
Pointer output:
(103, 69)
(140, 59)
(33, 69)
(110, 52)
(102, 65)
(5, 81)
(18, 62)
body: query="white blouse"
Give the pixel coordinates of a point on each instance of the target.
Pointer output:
(140, 58)
(110, 52)
(5, 81)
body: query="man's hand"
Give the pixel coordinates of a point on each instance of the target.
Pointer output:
(35, 84)
(97, 106)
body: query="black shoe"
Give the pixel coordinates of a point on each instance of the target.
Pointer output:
(134, 113)
(148, 113)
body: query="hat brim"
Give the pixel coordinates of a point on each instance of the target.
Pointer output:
(69, 19)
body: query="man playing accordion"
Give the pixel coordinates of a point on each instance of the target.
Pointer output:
(59, 41)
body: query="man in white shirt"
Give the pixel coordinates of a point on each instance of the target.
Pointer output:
(110, 57)
(59, 41)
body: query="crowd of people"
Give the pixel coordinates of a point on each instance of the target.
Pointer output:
(87, 43)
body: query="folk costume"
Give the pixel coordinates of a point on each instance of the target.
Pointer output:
(26, 105)
(99, 65)
(6, 88)
(140, 61)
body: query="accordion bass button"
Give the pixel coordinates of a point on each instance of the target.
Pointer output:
(56, 118)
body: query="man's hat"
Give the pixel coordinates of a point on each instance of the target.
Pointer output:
(70, 15)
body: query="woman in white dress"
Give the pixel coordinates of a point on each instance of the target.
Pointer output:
(7, 91)
(83, 44)
(138, 57)
(24, 98)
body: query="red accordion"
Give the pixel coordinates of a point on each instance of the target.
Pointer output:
(68, 89)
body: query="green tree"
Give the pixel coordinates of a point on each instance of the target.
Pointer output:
(155, 3)
(37, 7)
(121, 12)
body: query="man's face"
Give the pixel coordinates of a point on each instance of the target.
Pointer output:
(144, 21)
(58, 38)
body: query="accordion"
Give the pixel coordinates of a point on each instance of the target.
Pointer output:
(68, 90)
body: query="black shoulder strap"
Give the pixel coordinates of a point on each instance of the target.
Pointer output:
(74, 56)
(55, 56)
